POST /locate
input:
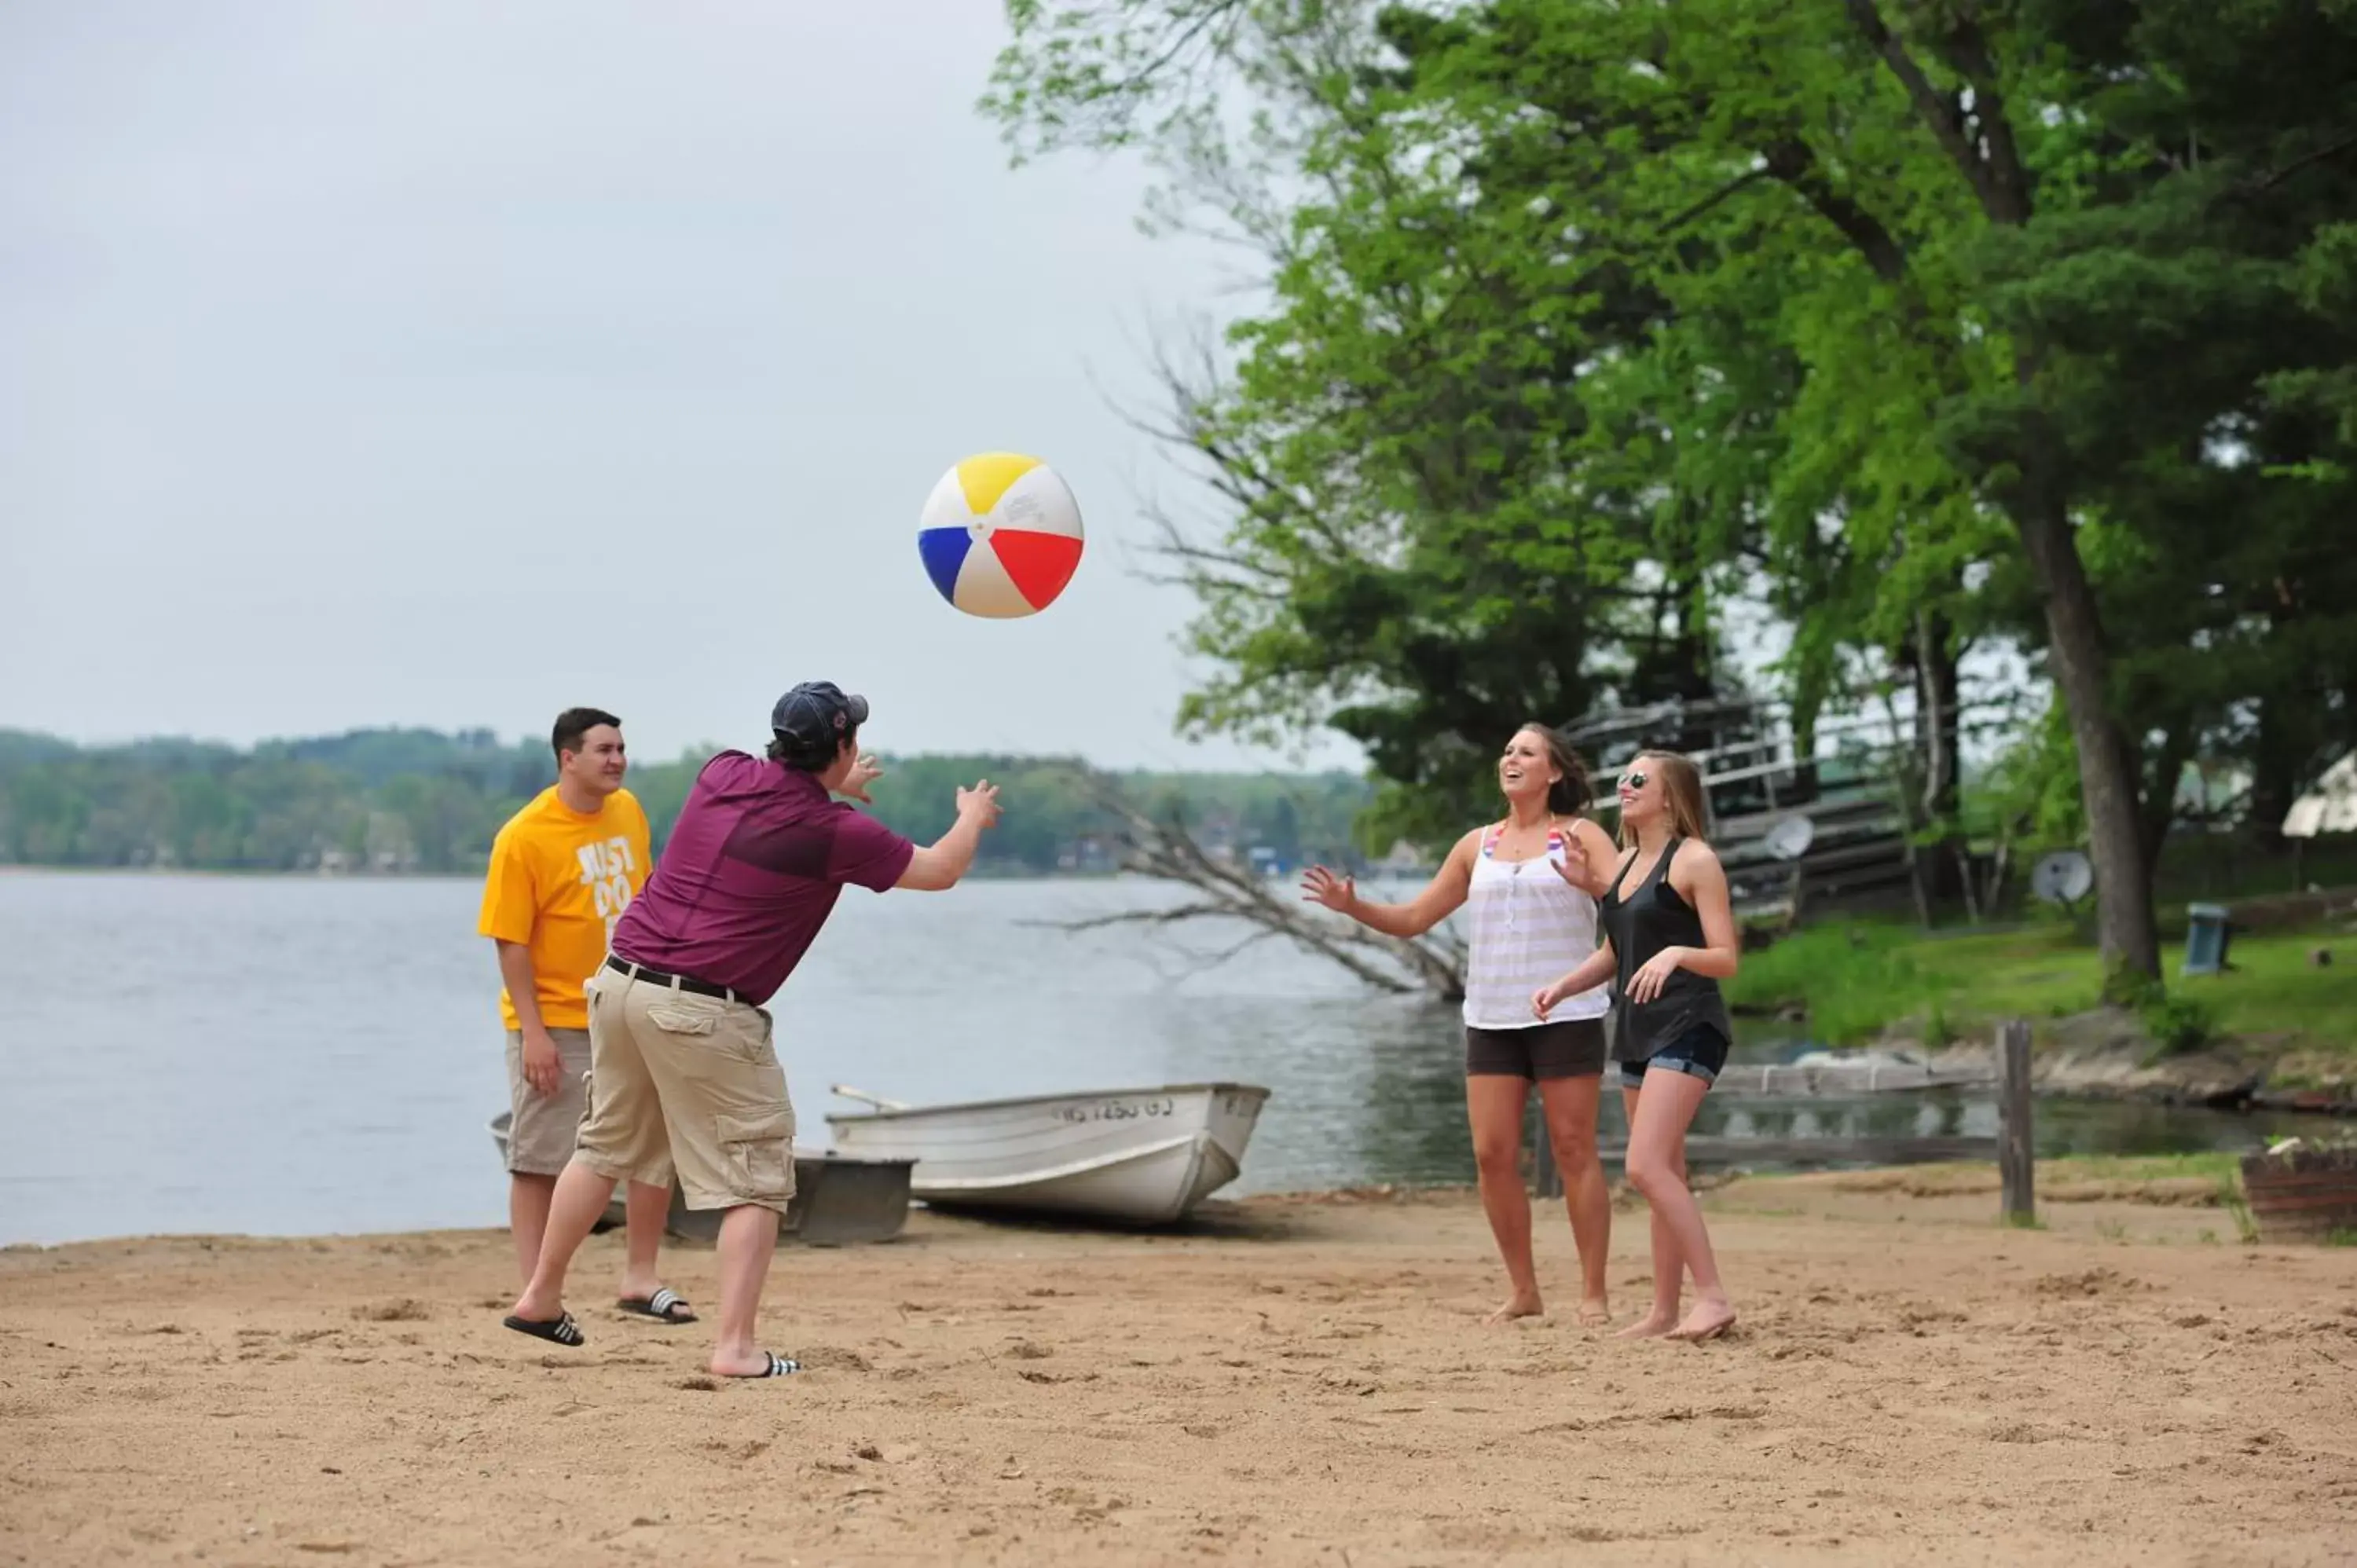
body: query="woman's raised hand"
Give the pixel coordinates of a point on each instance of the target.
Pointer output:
(1321, 886)
(1574, 867)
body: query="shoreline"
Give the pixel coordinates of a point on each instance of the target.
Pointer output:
(2103, 1054)
(2271, 1031)
(2067, 1179)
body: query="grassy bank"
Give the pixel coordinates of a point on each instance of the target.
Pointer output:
(1855, 978)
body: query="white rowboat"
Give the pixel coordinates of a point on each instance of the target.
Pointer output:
(1141, 1156)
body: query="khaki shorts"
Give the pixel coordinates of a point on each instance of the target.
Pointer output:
(541, 1126)
(686, 1084)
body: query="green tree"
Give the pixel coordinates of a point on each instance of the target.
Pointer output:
(1414, 559)
(1941, 315)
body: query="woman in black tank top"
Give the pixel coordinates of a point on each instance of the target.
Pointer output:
(1668, 933)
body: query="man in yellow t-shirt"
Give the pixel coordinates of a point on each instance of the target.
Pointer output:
(561, 871)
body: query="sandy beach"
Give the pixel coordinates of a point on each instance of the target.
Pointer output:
(1295, 1381)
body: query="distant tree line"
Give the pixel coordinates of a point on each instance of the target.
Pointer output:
(420, 801)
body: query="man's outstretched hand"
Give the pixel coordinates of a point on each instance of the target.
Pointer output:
(980, 803)
(863, 773)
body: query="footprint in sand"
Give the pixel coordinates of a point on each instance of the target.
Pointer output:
(406, 1309)
(831, 1358)
(2091, 1282)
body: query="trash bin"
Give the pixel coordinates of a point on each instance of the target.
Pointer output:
(2207, 932)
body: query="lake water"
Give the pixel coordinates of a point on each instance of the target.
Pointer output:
(288, 1057)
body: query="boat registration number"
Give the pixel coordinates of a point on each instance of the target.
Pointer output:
(1117, 1110)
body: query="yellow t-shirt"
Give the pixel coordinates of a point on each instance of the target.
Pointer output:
(558, 883)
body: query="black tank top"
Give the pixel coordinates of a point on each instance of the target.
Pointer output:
(1640, 925)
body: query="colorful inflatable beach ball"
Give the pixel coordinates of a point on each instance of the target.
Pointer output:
(1000, 535)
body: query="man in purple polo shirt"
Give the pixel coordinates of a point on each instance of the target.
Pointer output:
(683, 1075)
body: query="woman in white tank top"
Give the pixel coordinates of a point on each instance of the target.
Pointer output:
(1530, 923)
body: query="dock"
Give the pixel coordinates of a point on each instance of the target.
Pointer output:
(1867, 1151)
(1838, 1079)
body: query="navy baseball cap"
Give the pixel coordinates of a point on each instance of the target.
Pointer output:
(816, 712)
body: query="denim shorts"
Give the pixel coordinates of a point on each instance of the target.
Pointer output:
(1700, 1052)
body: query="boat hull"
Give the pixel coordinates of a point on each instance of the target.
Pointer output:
(837, 1200)
(1132, 1156)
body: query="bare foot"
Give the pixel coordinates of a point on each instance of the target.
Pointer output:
(1708, 1320)
(1595, 1313)
(1515, 1306)
(1652, 1325)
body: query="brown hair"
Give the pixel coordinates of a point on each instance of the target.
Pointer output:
(1571, 794)
(1681, 793)
(573, 727)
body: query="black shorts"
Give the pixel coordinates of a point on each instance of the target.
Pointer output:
(1568, 1047)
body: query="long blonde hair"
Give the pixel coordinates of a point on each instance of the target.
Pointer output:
(1681, 793)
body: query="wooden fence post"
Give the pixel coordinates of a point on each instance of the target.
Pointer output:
(2015, 1155)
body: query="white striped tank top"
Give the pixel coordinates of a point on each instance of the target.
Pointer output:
(1528, 927)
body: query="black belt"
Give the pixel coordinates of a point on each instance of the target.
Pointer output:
(677, 981)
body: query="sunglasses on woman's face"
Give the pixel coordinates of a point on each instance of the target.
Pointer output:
(1633, 781)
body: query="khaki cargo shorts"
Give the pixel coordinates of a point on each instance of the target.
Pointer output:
(541, 1126)
(689, 1084)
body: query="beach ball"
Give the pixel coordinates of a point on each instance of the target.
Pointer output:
(1000, 535)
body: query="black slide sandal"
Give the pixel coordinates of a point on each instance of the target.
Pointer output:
(780, 1366)
(666, 1305)
(563, 1331)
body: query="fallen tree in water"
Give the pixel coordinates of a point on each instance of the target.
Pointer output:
(1164, 849)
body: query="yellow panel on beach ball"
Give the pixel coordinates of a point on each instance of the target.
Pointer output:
(984, 478)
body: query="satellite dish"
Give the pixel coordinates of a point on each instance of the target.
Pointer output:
(2064, 877)
(1790, 838)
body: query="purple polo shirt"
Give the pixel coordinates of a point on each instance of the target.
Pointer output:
(753, 867)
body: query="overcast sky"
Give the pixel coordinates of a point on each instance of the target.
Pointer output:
(449, 362)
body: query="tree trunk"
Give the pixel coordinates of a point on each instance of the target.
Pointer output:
(1978, 139)
(1938, 726)
(2125, 926)
(2159, 815)
(1674, 665)
(2274, 772)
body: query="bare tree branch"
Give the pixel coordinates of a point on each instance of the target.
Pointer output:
(1146, 77)
(1169, 917)
(2329, 150)
(1791, 162)
(1733, 187)
(1167, 852)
